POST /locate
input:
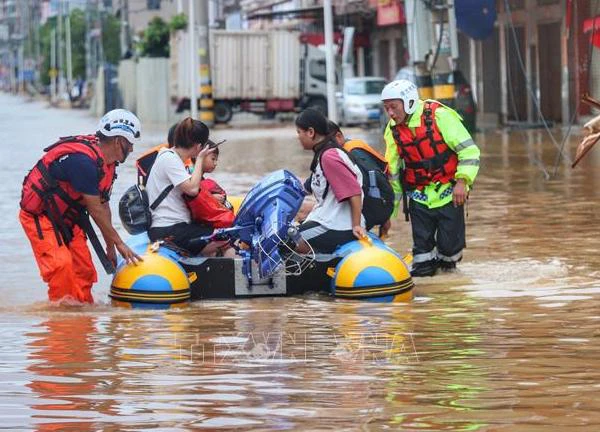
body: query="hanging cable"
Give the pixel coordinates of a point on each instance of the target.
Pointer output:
(527, 83)
(439, 44)
(512, 98)
(589, 67)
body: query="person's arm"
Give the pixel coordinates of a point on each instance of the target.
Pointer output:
(101, 214)
(81, 172)
(356, 210)
(460, 141)
(110, 246)
(344, 184)
(394, 164)
(191, 186)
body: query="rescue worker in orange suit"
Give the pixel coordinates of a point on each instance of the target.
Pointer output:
(72, 181)
(433, 162)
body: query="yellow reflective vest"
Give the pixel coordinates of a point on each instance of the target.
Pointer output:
(450, 125)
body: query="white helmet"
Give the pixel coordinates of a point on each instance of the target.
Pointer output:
(120, 122)
(404, 90)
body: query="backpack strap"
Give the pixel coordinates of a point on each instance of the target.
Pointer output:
(161, 197)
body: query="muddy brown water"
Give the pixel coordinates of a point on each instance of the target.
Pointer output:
(509, 342)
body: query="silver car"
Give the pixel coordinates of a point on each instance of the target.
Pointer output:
(359, 102)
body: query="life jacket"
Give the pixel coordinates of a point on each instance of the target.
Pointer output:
(427, 157)
(206, 209)
(43, 194)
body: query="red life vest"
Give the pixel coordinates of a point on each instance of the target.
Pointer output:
(43, 194)
(427, 157)
(206, 209)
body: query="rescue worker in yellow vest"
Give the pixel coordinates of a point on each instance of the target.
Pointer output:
(433, 162)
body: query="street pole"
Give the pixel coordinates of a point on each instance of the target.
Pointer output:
(124, 28)
(88, 44)
(329, 60)
(36, 35)
(69, 51)
(60, 47)
(193, 55)
(206, 100)
(53, 66)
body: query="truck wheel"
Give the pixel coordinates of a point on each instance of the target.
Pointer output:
(318, 104)
(223, 112)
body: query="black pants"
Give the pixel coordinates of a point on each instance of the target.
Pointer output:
(183, 235)
(323, 240)
(442, 227)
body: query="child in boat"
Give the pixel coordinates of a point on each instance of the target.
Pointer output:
(209, 165)
(210, 207)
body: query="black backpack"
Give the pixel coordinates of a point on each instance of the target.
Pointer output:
(378, 200)
(134, 206)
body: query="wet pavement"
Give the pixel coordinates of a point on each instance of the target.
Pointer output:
(509, 342)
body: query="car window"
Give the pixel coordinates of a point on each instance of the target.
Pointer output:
(318, 70)
(364, 87)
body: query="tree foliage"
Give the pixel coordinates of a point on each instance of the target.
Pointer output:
(110, 41)
(178, 22)
(155, 40)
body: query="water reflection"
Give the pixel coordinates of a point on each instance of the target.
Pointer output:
(509, 341)
(60, 361)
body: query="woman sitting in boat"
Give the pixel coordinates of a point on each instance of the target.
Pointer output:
(335, 182)
(171, 219)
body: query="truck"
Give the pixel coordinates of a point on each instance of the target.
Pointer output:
(263, 72)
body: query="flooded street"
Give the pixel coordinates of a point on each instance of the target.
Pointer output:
(509, 342)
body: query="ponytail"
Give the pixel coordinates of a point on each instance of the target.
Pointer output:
(190, 132)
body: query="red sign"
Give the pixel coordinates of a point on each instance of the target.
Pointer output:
(390, 12)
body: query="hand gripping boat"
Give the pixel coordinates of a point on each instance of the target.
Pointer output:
(265, 235)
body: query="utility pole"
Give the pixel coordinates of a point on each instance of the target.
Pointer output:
(193, 70)
(37, 49)
(329, 61)
(124, 28)
(206, 100)
(69, 51)
(60, 47)
(88, 43)
(53, 66)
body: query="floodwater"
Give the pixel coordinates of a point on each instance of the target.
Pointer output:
(509, 342)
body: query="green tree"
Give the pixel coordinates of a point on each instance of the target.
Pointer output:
(110, 40)
(155, 41)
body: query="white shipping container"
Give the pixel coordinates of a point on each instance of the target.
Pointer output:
(255, 65)
(244, 64)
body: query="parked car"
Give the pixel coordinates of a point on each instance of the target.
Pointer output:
(359, 102)
(464, 103)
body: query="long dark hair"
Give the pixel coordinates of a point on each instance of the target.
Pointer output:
(311, 118)
(190, 132)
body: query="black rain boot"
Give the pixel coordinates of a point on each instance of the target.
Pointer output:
(422, 269)
(447, 266)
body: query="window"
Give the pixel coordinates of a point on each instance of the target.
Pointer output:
(364, 87)
(318, 70)
(153, 4)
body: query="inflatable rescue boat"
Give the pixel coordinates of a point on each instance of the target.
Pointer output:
(264, 235)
